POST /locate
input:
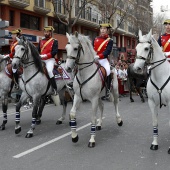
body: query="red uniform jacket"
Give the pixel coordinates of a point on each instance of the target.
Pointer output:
(164, 42)
(12, 48)
(105, 49)
(49, 47)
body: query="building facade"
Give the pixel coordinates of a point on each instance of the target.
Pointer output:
(32, 15)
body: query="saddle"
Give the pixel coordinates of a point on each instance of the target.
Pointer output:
(103, 75)
(58, 71)
(9, 73)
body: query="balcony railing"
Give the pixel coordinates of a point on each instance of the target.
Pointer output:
(90, 16)
(19, 3)
(42, 6)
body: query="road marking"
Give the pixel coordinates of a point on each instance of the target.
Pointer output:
(49, 142)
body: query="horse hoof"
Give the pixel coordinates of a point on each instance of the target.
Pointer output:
(59, 122)
(38, 122)
(169, 151)
(18, 130)
(91, 144)
(2, 127)
(154, 147)
(98, 127)
(74, 140)
(143, 100)
(132, 100)
(29, 135)
(121, 123)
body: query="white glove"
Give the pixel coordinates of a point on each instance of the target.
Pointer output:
(43, 55)
(166, 54)
(6, 56)
(96, 58)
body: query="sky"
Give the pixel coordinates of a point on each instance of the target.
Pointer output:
(157, 6)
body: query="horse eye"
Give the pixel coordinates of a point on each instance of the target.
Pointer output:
(146, 49)
(22, 49)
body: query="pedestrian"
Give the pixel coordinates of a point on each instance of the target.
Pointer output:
(164, 40)
(15, 34)
(103, 46)
(48, 49)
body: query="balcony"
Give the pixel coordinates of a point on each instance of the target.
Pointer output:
(88, 17)
(41, 7)
(19, 3)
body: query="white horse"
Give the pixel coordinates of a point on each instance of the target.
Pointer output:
(87, 83)
(5, 85)
(158, 86)
(34, 83)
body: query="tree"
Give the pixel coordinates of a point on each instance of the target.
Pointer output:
(69, 7)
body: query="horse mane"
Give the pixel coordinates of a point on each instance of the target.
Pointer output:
(36, 56)
(86, 42)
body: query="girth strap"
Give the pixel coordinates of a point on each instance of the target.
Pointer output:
(160, 90)
(81, 84)
(25, 82)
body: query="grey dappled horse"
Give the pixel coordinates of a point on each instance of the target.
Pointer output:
(5, 85)
(136, 80)
(87, 83)
(158, 87)
(34, 84)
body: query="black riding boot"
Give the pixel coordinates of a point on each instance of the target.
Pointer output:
(108, 84)
(54, 85)
(16, 80)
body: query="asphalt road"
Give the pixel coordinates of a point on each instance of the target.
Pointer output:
(117, 148)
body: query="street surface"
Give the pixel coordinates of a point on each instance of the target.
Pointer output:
(117, 148)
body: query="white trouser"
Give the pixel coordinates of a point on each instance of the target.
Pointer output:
(105, 64)
(50, 65)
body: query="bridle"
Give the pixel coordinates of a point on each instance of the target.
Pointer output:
(77, 58)
(24, 58)
(147, 62)
(150, 57)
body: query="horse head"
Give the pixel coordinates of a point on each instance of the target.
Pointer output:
(79, 51)
(144, 51)
(21, 52)
(73, 50)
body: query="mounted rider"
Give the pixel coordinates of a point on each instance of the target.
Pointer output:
(103, 46)
(48, 49)
(15, 34)
(164, 40)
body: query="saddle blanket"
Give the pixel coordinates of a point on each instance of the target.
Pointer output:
(62, 74)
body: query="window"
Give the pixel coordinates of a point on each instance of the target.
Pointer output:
(40, 3)
(58, 6)
(60, 28)
(128, 43)
(11, 17)
(29, 21)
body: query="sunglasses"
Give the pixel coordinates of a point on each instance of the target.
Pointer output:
(166, 23)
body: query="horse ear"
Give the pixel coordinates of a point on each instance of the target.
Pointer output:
(149, 34)
(17, 39)
(140, 34)
(67, 35)
(76, 34)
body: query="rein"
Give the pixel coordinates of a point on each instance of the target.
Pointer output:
(81, 84)
(77, 58)
(159, 90)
